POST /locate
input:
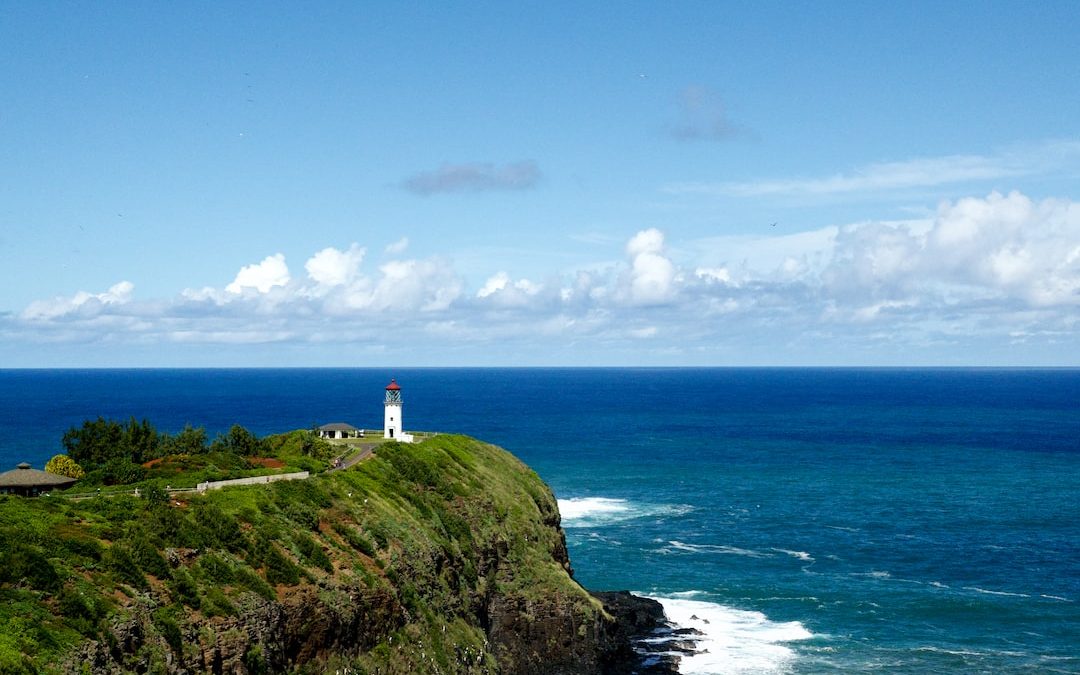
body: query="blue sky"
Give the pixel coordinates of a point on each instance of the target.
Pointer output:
(488, 184)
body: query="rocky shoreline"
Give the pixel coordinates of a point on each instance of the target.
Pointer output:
(655, 646)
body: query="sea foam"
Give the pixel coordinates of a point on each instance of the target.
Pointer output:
(597, 511)
(577, 508)
(732, 640)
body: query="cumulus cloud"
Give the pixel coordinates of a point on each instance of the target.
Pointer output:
(651, 276)
(475, 177)
(331, 267)
(500, 290)
(263, 276)
(82, 303)
(1000, 267)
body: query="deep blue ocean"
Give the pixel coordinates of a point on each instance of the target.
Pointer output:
(806, 520)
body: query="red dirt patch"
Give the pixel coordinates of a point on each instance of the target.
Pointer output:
(268, 462)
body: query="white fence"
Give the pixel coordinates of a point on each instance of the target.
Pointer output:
(254, 480)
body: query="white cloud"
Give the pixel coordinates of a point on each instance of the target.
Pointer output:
(398, 246)
(897, 175)
(331, 267)
(263, 276)
(83, 303)
(494, 284)
(980, 269)
(500, 291)
(652, 274)
(409, 285)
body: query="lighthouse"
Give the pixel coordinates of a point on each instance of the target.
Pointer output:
(392, 417)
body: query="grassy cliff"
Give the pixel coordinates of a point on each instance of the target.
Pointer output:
(440, 557)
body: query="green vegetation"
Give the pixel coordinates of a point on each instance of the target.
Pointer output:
(415, 529)
(134, 454)
(62, 465)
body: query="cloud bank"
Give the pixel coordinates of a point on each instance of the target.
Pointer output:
(1001, 268)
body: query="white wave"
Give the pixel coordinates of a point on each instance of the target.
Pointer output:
(983, 590)
(581, 507)
(687, 594)
(801, 555)
(717, 548)
(873, 574)
(733, 641)
(1054, 597)
(597, 511)
(953, 652)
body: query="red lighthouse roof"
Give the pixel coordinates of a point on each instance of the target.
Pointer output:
(393, 386)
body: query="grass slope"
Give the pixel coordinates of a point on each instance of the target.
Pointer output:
(434, 527)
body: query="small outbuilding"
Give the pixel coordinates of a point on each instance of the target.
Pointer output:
(28, 482)
(338, 430)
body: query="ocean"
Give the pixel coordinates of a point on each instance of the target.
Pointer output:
(805, 520)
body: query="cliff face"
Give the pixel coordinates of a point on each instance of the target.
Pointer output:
(440, 557)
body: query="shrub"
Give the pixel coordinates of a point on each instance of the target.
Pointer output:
(122, 471)
(184, 589)
(62, 465)
(215, 528)
(81, 608)
(22, 562)
(278, 568)
(215, 603)
(119, 560)
(312, 552)
(254, 583)
(165, 622)
(147, 556)
(216, 569)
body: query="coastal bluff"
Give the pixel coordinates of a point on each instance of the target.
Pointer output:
(445, 556)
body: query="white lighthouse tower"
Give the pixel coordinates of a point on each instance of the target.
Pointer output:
(392, 426)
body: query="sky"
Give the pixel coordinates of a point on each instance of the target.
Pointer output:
(539, 184)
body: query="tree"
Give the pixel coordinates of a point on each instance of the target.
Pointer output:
(239, 441)
(62, 465)
(95, 443)
(190, 441)
(100, 441)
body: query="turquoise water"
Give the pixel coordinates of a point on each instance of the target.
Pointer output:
(820, 520)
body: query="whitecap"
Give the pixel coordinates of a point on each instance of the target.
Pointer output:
(599, 511)
(1054, 597)
(987, 592)
(581, 507)
(717, 548)
(873, 574)
(952, 652)
(686, 594)
(732, 640)
(801, 555)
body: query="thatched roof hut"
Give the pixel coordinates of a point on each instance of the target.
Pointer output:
(23, 480)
